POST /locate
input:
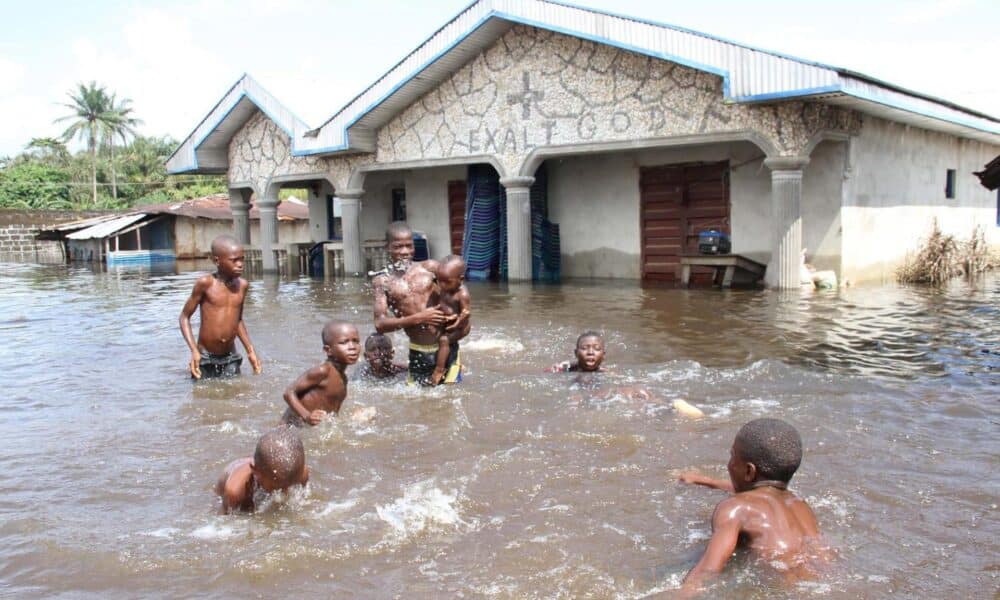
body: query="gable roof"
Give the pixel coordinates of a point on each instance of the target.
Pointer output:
(749, 74)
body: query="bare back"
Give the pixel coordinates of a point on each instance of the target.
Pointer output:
(773, 522)
(323, 387)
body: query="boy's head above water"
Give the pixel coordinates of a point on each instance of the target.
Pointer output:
(378, 348)
(451, 273)
(765, 450)
(227, 254)
(280, 460)
(589, 351)
(341, 342)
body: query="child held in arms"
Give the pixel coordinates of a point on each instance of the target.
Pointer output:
(456, 304)
(762, 512)
(220, 296)
(321, 390)
(278, 463)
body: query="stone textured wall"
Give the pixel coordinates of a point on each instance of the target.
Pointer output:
(537, 88)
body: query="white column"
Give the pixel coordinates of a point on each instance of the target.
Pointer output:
(786, 214)
(350, 220)
(518, 227)
(268, 208)
(239, 204)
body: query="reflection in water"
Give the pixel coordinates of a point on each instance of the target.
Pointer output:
(516, 483)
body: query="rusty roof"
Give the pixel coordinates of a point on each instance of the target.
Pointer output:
(216, 206)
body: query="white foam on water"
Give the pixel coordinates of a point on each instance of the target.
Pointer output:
(493, 345)
(230, 427)
(332, 507)
(163, 532)
(423, 505)
(814, 587)
(215, 531)
(836, 505)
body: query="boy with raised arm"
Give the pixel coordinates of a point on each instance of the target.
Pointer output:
(278, 463)
(322, 389)
(762, 512)
(456, 303)
(220, 297)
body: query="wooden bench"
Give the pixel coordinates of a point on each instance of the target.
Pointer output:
(726, 267)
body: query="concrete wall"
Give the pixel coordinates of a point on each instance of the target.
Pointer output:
(193, 237)
(376, 206)
(897, 188)
(427, 205)
(18, 229)
(822, 194)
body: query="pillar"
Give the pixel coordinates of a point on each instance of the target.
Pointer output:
(518, 227)
(786, 214)
(239, 204)
(268, 208)
(350, 221)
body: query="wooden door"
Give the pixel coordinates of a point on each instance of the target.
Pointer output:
(677, 202)
(457, 191)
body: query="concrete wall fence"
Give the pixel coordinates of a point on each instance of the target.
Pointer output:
(18, 229)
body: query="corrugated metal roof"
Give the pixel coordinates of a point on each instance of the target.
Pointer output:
(749, 75)
(103, 230)
(216, 206)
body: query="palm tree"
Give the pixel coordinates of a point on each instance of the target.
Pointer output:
(93, 112)
(122, 125)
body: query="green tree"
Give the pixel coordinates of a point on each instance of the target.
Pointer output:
(32, 184)
(94, 113)
(48, 150)
(121, 125)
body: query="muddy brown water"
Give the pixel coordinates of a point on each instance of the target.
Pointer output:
(512, 484)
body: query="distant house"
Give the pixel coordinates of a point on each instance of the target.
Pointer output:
(166, 232)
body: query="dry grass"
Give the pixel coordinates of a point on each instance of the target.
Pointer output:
(942, 257)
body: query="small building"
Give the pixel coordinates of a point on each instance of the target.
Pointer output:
(166, 232)
(632, 137)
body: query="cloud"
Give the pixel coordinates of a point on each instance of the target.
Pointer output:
(11, 76)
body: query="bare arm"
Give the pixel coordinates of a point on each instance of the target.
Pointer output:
(192, 304)
(461, 326)
(305, 382)
(385, 321)
(709, 482)
(725, 534)
(241, 332)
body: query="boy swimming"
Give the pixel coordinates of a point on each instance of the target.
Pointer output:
(220, 297)
(590, 360)
(762, 512)
(378, 358)
(456, 303)
(278, 463)
(322, 389)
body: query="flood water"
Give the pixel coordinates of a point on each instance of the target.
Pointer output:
(513, 484)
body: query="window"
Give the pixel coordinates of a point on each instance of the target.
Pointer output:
(949, 184)
(399, 204)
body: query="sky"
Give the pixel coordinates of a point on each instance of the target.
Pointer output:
(175, 59)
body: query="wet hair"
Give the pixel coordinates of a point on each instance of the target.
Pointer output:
(396, 229)
(223, 243)
(773, 446)
(377, 341)
(452, 259)
(280, 454)
(587, 334)
(330, 328)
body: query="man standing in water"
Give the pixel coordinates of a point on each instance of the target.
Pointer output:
(407, 298)
(220, 296)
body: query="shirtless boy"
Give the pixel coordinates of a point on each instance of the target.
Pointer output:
(407, 298)
(590, 361)
(762, 513)
(322, 389)
(220, 297)
(378, 358)
(278, 463)
(457, 303)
